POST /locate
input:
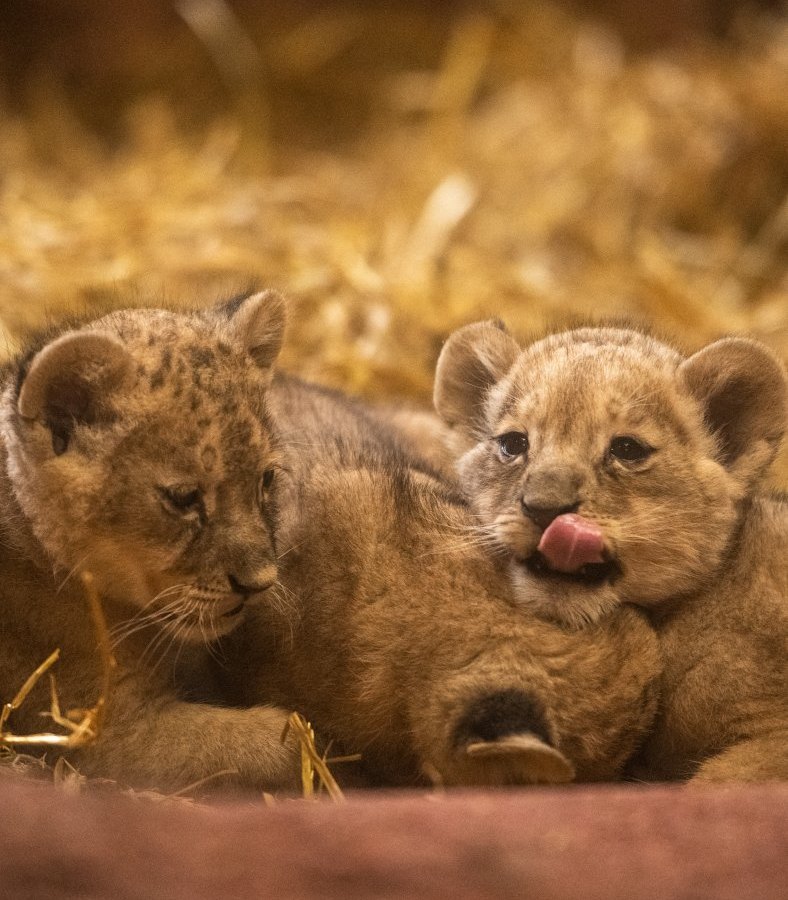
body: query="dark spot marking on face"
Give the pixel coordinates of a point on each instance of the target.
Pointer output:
(203, 424)
(165, 365)
(201, 357)
(208, 457)
(242, 433)
(141, 370)
(230, 407)
(224, 349)
(195, 401)
(499, 714)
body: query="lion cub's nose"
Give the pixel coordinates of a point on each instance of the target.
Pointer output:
(261, 582)
(544, 515)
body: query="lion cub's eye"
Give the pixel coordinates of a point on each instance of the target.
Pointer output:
(264, 485)
(629, 449)
(512, 444)
(182, 500)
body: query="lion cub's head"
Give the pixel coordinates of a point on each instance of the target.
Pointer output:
(608, 467)
(139, 448)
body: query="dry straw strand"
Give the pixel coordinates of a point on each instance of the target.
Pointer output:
(82, 726)
(312, 763)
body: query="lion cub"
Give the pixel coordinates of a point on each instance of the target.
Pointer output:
(138, 447)
(609, 469)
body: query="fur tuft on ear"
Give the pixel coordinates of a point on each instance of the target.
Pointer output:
(473, 359)
(743, 390)
(257, 323)
(69, 381)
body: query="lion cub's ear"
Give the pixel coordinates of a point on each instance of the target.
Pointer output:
(69, 382)
(257, 323)
(743, 390)
(472, 360)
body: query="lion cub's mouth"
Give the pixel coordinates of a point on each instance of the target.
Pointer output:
(235, 611)
(590, 574)
(573, 548)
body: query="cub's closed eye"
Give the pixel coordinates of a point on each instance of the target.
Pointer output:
(182, 500)
(629, 449)
(512, 444)
(264, 485)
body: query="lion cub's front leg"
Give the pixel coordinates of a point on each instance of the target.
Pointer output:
(763, 758)
(168, 744)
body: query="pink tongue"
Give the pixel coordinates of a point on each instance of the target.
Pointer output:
(569, 542)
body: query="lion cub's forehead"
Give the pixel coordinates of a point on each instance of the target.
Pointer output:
(594, 378)
(185, 357)
(192, 388)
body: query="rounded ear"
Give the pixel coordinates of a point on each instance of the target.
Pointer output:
(70, 380)
(743, 390)
(256, 323)
(473, 359)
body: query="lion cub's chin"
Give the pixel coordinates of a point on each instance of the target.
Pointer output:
(560, 598)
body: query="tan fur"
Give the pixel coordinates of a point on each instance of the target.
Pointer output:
(692, 539)
(406, 645)
(135, 447)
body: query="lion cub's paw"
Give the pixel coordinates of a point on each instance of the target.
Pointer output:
(522, 759)
(504, 739)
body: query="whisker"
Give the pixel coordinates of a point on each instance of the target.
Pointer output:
(141, 616)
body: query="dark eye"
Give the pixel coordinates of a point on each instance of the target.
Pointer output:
(629, 449)
(511, 444)
(182, 500)
(266, 480)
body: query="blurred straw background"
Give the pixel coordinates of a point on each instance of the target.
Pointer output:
(398, 168)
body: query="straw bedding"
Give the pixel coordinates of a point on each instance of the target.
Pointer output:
(396, 171)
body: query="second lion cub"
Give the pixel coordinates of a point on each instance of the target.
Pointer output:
(610, 469)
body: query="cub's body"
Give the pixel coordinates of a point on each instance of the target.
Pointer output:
(724, 707)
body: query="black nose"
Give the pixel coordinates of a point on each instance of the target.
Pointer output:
(244, 590)
(544, 515)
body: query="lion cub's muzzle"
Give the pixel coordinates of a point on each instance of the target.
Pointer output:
(248, 584)
(573, 548)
